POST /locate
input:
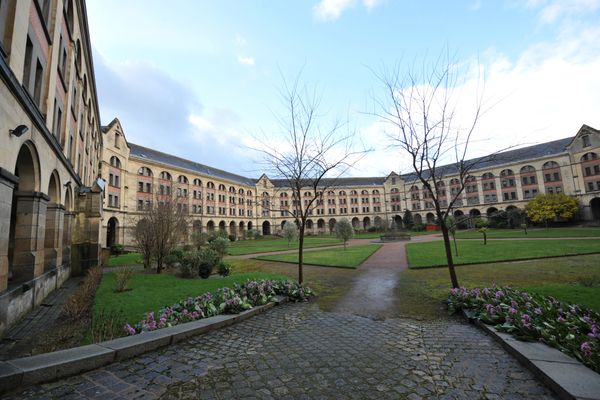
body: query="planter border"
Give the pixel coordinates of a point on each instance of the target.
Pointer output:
(60, 364)
(566, 376)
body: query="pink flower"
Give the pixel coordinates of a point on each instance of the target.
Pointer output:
(586, 349)
(514, 304)
(129, 329)
(512, 311)
(499, 294)
(526, 320)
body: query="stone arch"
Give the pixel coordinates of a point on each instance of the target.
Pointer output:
(379, 222)
(53, 230)
(430, 217)
(309, 224)
(112, 232)
(249, 225)
(210, 226)
(418, 219)
(222, 226)
(54, 188)
(241, 227)
(397, 221)
(266, 228)
(197, 226)
(461, 220)
(320, 224)
(27, 168)
(283, 224)
(366, 223)
(331, 224)
(595, 207)
(355, 223)
(232, 229)
(491, 211)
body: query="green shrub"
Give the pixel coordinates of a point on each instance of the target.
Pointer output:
(190, 264)
(79, 303)
(207, 260)
(107, 325)
(232, 238)
(224, 268)
(200, 239)
(418, 227)
(220, 246)
(174, 257)
(481, 223)
(117, 249)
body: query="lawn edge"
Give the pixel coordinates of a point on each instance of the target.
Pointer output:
(25, 371)
(296, 263)
(501, 261)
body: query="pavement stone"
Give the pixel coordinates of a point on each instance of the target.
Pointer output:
(297, 351)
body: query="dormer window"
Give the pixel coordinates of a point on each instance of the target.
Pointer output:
(586, 140)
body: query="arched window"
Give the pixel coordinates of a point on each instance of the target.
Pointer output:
(550, 165)
(395, 190)
(487, 175)
(222, 187)
(441, 184)
(197, 182)
(283, 194)
(527, 169)
(589, 157)
(414, 188)
(470, 178)
(342, 193)
(182, 179)
(331, 193)
(231, 189)
(115, 162)
(165, 175)
(454, 182)
(507, 172)
(241, 192)
(210, 185)
(145, 171)
(307, 194)
(507, 180)
(364, 192)
(248, 193)
(353, 193)
(376, 192)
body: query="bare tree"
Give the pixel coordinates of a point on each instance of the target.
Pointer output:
(422, 107)
(310, 158)
(161, 226)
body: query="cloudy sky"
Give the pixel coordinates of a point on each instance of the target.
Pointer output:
(200, 79)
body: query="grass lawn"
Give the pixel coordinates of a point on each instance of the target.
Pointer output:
(531, 233)
(421, 291)
(125, 259)
(268, 245)
(150, 292)
(473, 252)
(352, 257)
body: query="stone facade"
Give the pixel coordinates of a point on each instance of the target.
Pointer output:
(50, 149)
(217, 200)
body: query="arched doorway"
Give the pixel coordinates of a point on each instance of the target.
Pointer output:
(309, 224)
(53, 224)
(460, 219)
(321, 225)
(222, 226)
(430, 218)
(474, 214)
(112, 229)
(250, 225)
(595, 206)
(355, 223)
(283, 224)
(266, 228)
(366, 223)
(232, 229)
(24, 248)
(197, 226)
(241, 228)
(397, 221)
(418, 219)
(210, 226)
(331, 225)
(491, 211)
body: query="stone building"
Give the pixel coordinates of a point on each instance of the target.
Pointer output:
(50, 151)
(219, 200)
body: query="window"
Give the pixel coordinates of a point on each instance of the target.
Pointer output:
(115, 162)
(3, 18)
(585, 139)
(144, 171)
(165, 175)
(57, 119)
(37, 84)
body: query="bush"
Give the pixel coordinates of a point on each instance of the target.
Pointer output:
(222, 234)
(220, 246)
(232, 238)
(200, 239)
(418, 227)
(224, 268)
(372, 229)
(190, 264)
(122, 278)
(207, 260)
(79, 303)
(117, 249)
(481, 223)
(174, 257)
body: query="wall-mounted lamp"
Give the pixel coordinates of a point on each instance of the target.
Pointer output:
(68, 184)
(19, 130)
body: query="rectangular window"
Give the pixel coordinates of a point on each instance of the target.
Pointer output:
(37, 84)
(140, 205)
(3, 18)
(590, 186)
(27, 66)
(57, 119)
(588, 171)
(586, 141)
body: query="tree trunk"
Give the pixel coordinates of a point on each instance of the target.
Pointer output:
(455, 246)
(300, 254)
(484, 238)
(447, 247)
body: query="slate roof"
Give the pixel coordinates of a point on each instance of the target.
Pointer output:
(145, 153)
(554, 147)
(339, 182)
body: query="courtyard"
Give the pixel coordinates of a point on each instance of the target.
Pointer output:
(376, 331)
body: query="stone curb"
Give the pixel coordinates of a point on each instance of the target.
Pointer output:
(59, 364)
(565, 375)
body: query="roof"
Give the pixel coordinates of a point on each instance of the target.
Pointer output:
(338, 182)
(541, 150)
(177, 162)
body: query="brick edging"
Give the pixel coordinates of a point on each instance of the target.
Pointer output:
(565, 375)
(59, 364)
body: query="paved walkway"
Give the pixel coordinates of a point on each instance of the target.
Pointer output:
(297, 351)
(22, 337)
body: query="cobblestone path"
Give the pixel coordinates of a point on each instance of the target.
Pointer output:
(296, 351)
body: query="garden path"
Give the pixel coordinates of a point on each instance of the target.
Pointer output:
(373, 293)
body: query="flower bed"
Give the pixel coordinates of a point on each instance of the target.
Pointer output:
(224, 301)
(567, 327)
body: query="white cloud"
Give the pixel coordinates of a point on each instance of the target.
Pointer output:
(545, 94)
(331, 10)
(240, 40)
(249, 61)
(551, 11)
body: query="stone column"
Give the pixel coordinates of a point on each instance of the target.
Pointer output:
(53, 237)
(7, 185)
(28, 259)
